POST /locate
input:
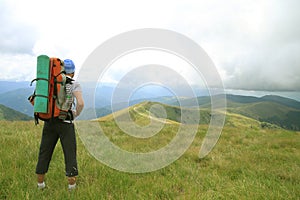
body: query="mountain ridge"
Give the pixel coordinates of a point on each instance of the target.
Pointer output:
(152, 110)
(9, 114)
(279, 111)
(274, 109)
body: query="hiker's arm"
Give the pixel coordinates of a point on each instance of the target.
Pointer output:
(79, 102)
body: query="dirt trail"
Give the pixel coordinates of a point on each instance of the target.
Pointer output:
(166, 121)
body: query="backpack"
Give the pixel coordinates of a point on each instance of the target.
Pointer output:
(52, 97)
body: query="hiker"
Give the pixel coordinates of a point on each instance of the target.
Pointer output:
(63, 129)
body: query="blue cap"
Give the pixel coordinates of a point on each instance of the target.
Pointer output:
(69, 66)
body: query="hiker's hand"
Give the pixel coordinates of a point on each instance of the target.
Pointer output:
(74, 114)
(31, 99)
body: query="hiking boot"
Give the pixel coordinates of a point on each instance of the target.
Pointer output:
(72, 187)
(41, 186)
(72, 183)
(41, 181)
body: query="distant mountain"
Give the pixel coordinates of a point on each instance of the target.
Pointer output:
(17, 100)
(275, 113)
(13, 115)
(282, 100)
(236, 100)
(277, 110)
(6, 86)
(268, 98)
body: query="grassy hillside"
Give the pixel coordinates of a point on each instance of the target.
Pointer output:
(281, 100)
(271, 112)
(142, 111)
(10, 114)
(17, 100)
(283, 112)
(248, 162)
(261, 110)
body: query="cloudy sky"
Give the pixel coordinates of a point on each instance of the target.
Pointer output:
(255, 44)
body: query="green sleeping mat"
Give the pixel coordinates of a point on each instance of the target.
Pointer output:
(42, 84)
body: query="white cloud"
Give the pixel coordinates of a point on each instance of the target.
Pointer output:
(255, 44)
(15, 36)
(135, 59)
(19, 67)
(269, 61)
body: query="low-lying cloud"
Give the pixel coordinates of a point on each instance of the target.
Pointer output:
(268, 57)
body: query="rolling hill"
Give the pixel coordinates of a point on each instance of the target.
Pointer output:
(17, 100)
(282, 112)
(12, 115)
(281, 100)
(277, 110)
(158, 111)
(275, 113)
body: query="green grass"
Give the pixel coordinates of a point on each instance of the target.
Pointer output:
(172, 114)
(248, 162)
